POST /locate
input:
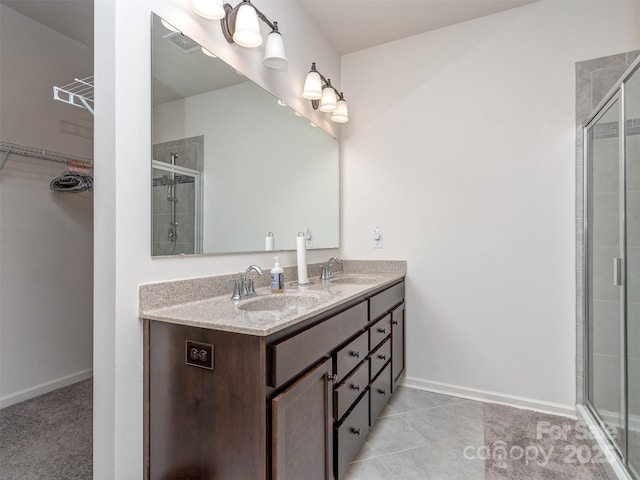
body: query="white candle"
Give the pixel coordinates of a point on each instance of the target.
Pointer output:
(302, 259)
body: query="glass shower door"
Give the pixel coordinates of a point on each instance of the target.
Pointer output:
(175, 201)
(632, 150)
(605, 263)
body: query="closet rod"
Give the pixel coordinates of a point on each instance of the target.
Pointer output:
(40, 153)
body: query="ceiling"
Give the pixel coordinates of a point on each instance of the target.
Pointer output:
(351, 25)
(74, 18)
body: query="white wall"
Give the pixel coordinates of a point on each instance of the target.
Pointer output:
(122, 198)
(46, 247)
(466, 162)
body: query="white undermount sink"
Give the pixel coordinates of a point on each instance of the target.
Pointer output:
(282, 301)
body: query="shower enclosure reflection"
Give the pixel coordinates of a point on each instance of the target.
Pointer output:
(176, 201)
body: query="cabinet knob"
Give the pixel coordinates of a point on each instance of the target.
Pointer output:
(355, 386)
(355, 354)
(382, 330)
(355, 431)
(395, 322)
(332, 378)
(382, 357)
(382, 391)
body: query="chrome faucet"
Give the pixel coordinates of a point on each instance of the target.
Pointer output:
(325, 270)
(244, 287)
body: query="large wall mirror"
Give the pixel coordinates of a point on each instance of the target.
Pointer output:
(232, 165)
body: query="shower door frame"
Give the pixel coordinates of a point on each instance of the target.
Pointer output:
(616, 93)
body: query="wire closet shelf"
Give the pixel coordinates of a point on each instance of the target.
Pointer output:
(25, 151)
(78, 93)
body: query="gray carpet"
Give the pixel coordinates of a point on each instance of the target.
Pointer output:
(49, 437)
(538, 446)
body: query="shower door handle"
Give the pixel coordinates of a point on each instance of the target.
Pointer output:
(617, 272)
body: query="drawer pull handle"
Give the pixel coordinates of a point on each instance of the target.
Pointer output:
(395, 322)
(355, 431)
(382, 391)
(382, 330)
(382, 357)
(355, 354)
(355, 386)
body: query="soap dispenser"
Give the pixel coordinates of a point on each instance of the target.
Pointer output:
(277, 277)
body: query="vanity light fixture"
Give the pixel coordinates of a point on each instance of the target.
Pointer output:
(211, 9)
(241, 25)
(341, 114)
(324, 96)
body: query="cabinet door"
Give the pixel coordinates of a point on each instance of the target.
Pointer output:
(301, 428)
(397, 347)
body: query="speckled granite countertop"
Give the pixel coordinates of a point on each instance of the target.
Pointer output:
(177, 302)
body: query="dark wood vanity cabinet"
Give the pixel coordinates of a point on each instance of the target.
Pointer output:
(294, 405)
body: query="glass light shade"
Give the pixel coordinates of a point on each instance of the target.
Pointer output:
(341, 114)
(274, 54)
(168, 26)
(329, 100)
(212, 9)
(208, 53)
(312, 86)
(247, 32)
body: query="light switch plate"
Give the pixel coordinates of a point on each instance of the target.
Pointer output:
(377, 237)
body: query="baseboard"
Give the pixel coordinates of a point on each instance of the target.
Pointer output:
(491, 397)
(613, 465)
(43, 388)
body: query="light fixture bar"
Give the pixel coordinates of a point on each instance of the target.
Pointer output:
(316, 93)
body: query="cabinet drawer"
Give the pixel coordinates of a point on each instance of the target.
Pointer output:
(385, 300)
(380, 392)
(379, 358)
(295, 354)
(351, 434)
(353, 386)
(379, 331)
(351, 355)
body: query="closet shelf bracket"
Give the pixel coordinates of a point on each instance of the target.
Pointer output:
(78, 93)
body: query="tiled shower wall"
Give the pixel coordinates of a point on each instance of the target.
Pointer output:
(594, 79)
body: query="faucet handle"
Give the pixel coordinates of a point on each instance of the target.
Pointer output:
(236, 290)
(251, 291)
(325, 272)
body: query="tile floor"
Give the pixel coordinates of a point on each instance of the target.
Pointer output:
(423, 435)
